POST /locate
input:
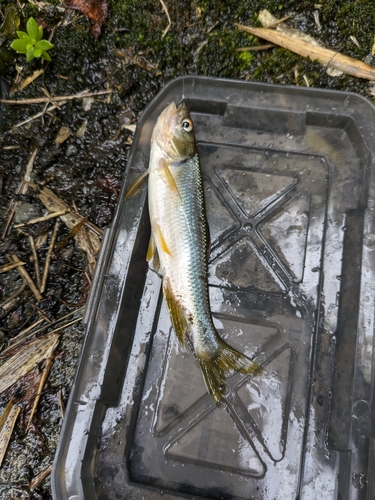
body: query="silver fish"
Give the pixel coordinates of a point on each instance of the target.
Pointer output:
(179, 245)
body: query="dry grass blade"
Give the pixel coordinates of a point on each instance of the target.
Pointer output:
(7, 267)
(26, 358)
(43, 100)
(54, 204)
(26, 276)
(7, 422)
(327, 57)
(48, 258)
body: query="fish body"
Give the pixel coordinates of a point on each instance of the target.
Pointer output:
(179, 245)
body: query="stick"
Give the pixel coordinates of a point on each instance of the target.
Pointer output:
(36, 260)
(48, 258)
(39, 478)
(327, 57)
(38, 115)
(41, 100)
(43, 380)
(61, 403)
(42, 219)
(26, 276)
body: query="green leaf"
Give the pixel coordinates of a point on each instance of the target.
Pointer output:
(46, 56)
(37, 52)
(40, 34)
(19, 46)
(30, 55)
(32, 28)
(44, 45)
(22, 34)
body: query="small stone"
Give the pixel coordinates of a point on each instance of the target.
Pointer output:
(71, 150)
(26, 212)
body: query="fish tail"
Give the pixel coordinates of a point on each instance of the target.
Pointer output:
(215, 367)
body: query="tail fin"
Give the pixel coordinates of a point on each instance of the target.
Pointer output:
(214, 367)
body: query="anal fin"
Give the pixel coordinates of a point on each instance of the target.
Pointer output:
(176, 313)
(152, 254)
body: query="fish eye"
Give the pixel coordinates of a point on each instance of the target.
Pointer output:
(187, 125)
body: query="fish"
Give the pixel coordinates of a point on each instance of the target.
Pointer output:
(179, 246)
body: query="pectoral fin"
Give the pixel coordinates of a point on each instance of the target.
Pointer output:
(167, 175)
(176, 313)
(134, 188)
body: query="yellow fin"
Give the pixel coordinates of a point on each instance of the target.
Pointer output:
(150, 249)
(176, 313)
(136, 184)
(152, 253)
(166, 173)
(159, 236)
(215, 366)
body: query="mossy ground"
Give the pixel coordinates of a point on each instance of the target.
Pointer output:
(133, 59)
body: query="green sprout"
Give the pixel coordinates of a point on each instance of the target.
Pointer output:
(31, 43)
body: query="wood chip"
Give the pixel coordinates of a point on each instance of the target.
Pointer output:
(62, 134)
(7, 422)
(327, 57)
(26, 358)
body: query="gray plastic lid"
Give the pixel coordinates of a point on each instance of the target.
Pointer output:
(289, 186)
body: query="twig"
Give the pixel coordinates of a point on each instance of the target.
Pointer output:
(36, 260)
(169, 19)
(34, 483)
(48, 258)
(27, 277)
(38, 115)
(19, 338)
(7, 267)
(22, 189)
(43, 379)
(42, 219)
(42, 100)
(61, 403)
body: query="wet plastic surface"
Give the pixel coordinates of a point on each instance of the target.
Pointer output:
(289, 184)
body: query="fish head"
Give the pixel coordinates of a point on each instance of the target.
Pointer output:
(174, 132)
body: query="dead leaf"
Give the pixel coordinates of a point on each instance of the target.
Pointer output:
(96, 10)
(25, 359)
(7, 422)
(328, 57)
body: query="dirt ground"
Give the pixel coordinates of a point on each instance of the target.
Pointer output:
(78, 149)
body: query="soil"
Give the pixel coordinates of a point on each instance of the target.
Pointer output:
(133, 60)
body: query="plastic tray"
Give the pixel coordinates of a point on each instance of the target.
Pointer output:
(289, 185)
